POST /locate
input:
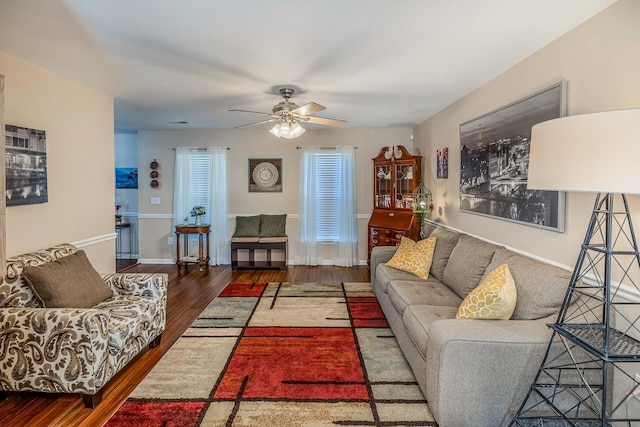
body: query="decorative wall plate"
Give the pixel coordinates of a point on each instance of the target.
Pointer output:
(265, 175)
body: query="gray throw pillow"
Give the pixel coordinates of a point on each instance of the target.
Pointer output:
(69, 282)
(273, 225)
(446, 240)
(467, 263)
(247, 226)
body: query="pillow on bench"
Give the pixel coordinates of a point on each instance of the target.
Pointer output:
(273, 225)
(247, 226)
(68, 282)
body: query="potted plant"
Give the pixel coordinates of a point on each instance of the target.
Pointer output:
(198, 212)
(118, 216)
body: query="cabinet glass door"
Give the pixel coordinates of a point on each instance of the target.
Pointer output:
(383, 187)
(404, 186)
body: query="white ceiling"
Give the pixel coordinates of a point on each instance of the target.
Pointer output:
(375, 63)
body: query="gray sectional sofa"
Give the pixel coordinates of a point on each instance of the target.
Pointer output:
(472, 372)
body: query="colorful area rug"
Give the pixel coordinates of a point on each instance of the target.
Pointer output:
(282, 354)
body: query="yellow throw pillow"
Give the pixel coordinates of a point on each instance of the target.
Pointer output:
(494, 298)
(414, 257)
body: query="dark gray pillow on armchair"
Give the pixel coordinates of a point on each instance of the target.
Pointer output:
(68, 282)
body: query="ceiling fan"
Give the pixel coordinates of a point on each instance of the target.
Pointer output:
(288, 116)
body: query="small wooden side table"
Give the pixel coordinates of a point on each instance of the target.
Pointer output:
(119, 227)
(203, 251)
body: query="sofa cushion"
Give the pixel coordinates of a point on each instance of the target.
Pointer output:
(127, 314)
(467, 264)
(68, 282)
(417, 320)
(541, 287)
(494, 298)
(414, 257)
(432, 292)
(446, 241)
(273, 225)
(247, 226)
(386, 274)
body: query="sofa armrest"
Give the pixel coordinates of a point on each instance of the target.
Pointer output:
(55, 350)
(380, 255)
(479, 371)
(141, 284)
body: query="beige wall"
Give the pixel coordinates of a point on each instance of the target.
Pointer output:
(600, 62)
(79, 128)
(156, 222)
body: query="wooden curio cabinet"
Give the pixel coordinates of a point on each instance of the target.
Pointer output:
(396, 173)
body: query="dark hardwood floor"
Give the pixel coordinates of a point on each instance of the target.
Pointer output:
(189, 293)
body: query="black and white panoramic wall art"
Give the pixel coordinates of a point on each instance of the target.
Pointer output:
(26, 166)
(494, 162)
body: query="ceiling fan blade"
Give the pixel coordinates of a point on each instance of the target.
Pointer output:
(326, 121)
(258, 123)
(310, 108)
(254, 112)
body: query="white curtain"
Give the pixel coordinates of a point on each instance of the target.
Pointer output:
(181, 186)
(308, 250)
(327, 206)
(217, 206)
(200, 178)
(346, 253)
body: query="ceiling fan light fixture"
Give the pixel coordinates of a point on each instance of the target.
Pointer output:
(287, 131)
(287, 114)
(296, 130)
(275, 131)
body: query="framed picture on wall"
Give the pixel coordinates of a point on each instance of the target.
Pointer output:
(265, 175)
(126, 177)
(494, 162)
(26, 166)
(442, 160)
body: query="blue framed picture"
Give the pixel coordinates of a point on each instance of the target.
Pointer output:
(126, 177)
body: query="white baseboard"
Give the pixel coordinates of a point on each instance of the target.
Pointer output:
(155, 261)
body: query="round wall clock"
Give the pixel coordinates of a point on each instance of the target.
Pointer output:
(265, 174)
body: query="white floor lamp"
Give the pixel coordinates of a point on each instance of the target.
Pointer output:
(595, 334)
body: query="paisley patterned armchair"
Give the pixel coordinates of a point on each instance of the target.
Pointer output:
(75, 350)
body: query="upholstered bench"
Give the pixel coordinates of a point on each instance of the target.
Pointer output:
(259, 232)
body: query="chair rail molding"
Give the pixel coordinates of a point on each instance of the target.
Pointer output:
(620, 290)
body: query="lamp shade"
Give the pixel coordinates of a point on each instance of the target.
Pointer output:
(598, 152)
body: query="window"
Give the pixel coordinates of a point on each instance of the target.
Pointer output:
(328, 177)
(327, 211)
(200, 180)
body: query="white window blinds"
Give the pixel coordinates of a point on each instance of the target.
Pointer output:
(328, 178)
(200, 182)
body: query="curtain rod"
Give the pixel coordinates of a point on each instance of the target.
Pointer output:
(327, 148)
(195, 148)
